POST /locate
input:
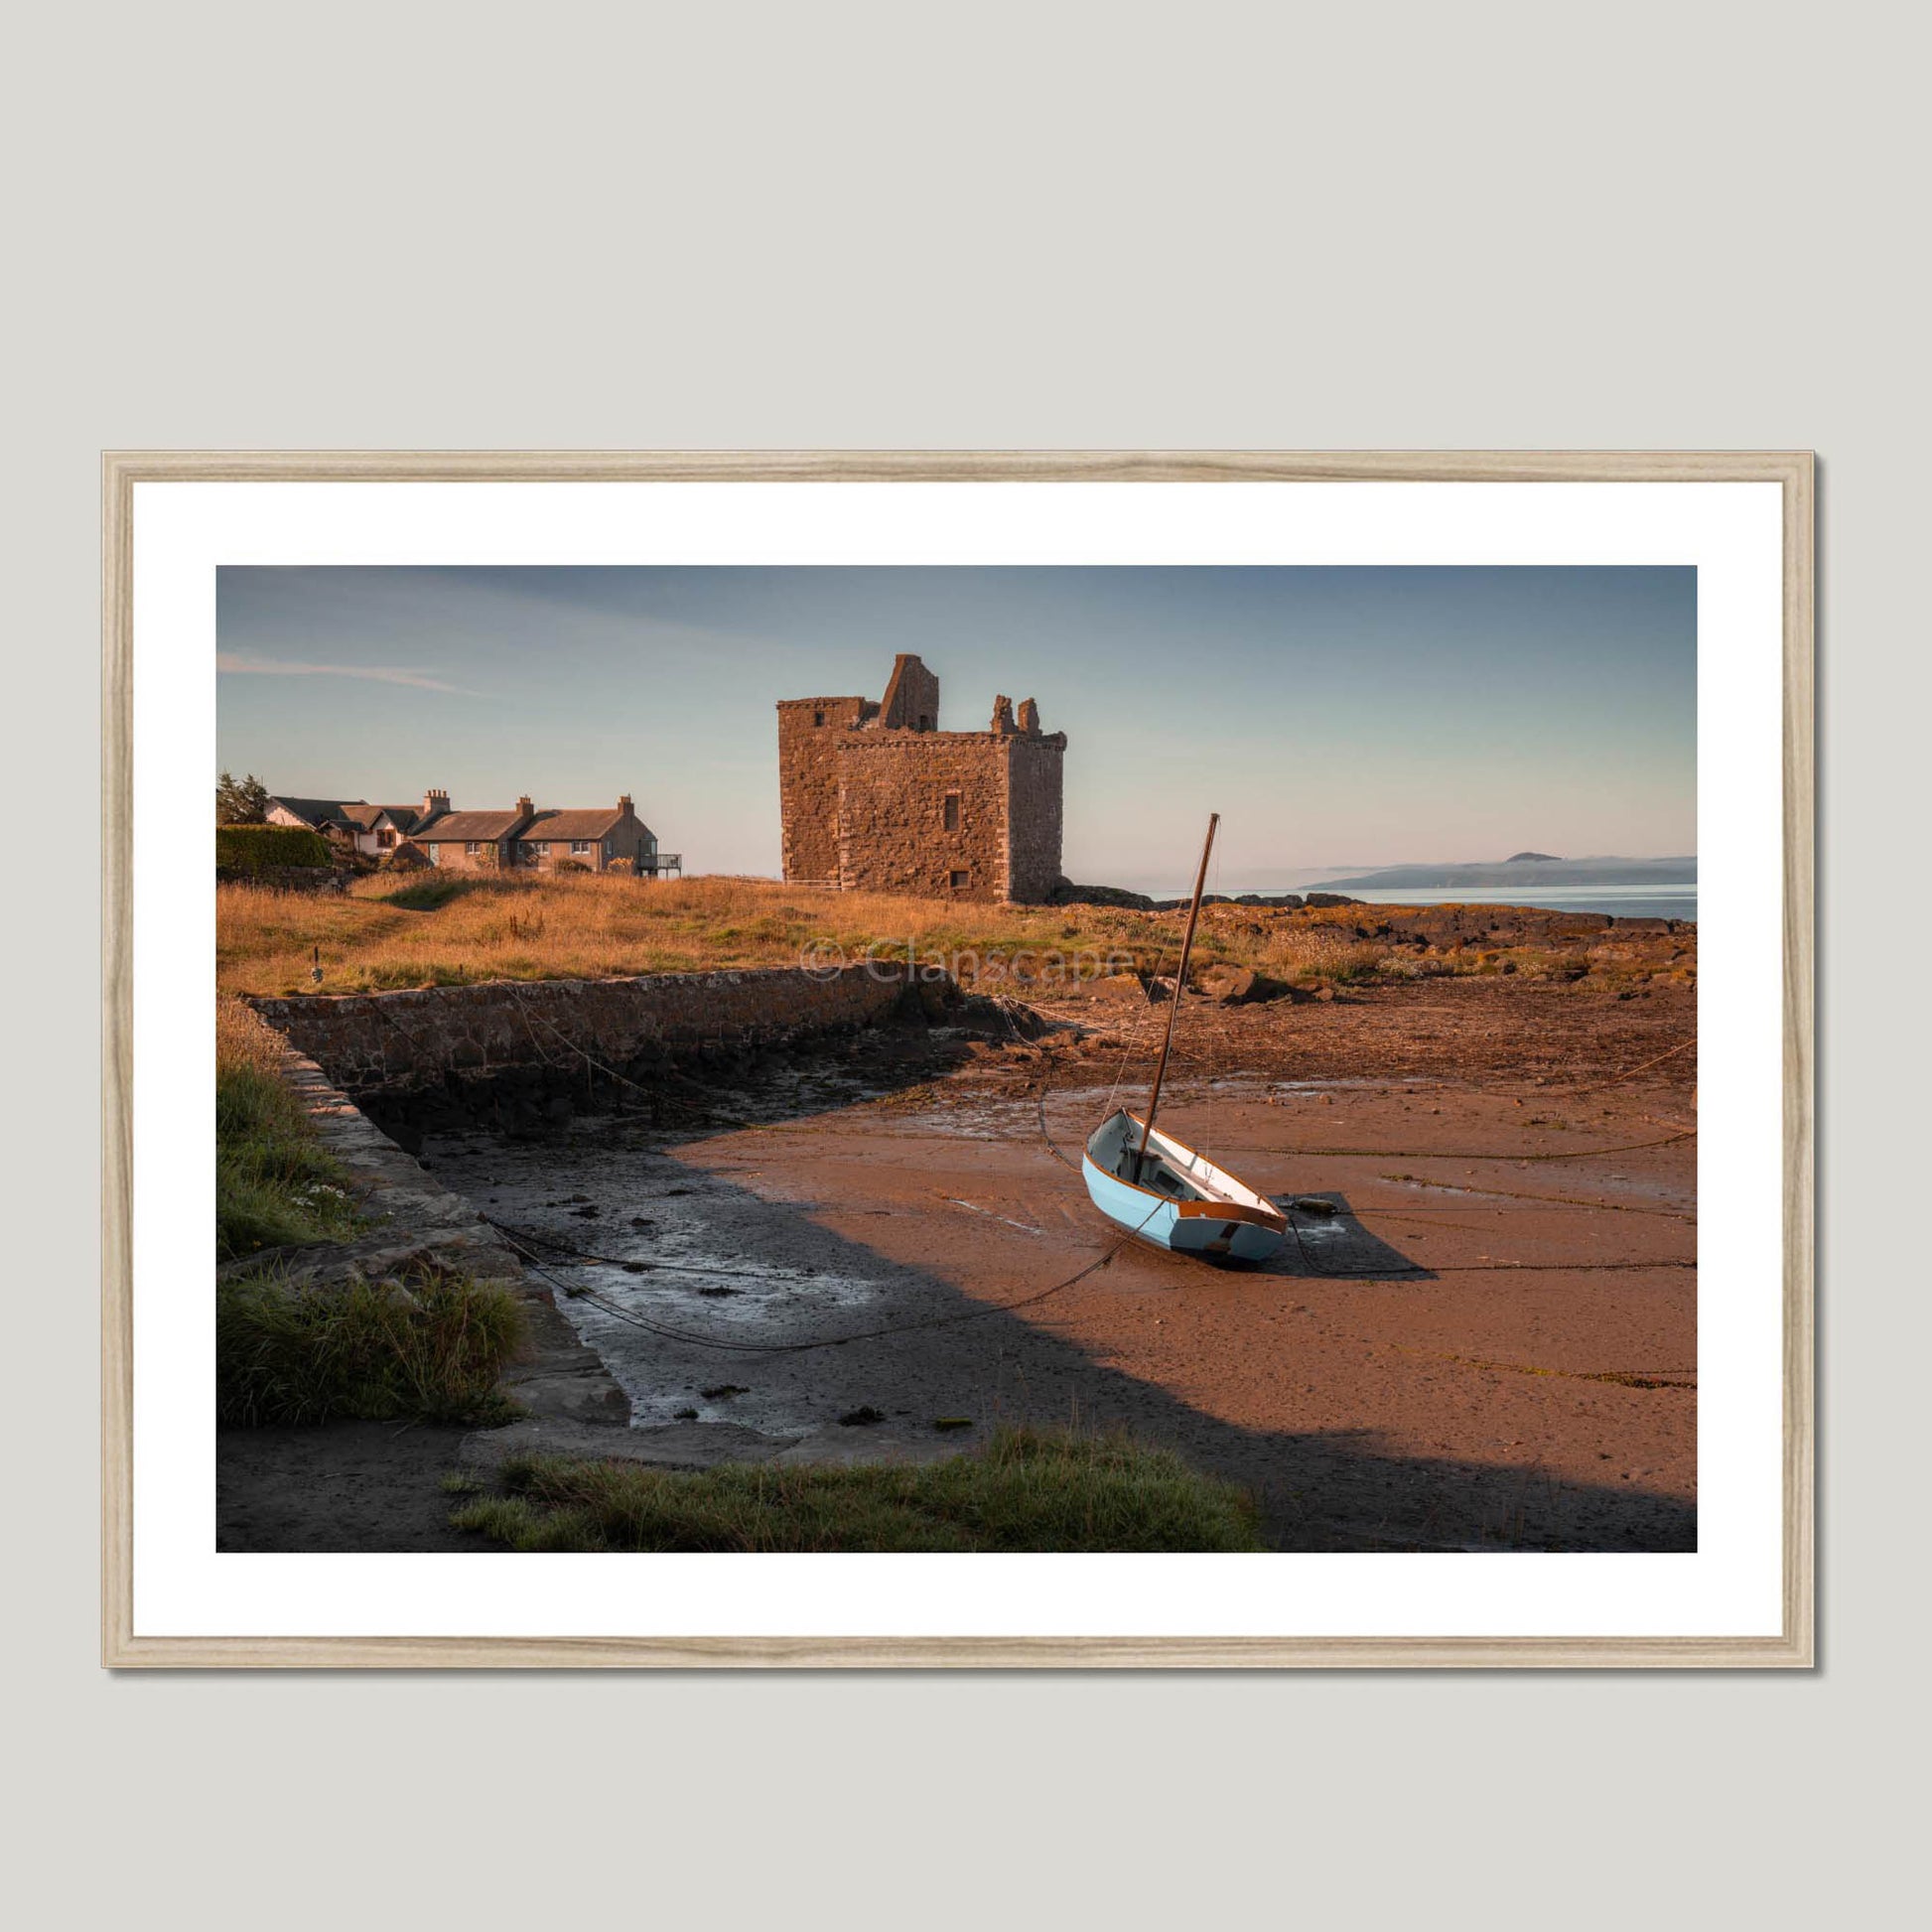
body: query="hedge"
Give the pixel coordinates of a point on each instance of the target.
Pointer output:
(250, 849)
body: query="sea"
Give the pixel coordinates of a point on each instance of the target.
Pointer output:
(1660, 901)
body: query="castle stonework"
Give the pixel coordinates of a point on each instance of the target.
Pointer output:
(877, 798)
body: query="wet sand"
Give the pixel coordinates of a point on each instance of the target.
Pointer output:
(1492, 1343)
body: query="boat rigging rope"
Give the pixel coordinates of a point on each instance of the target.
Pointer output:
(1462, 1154)
(1567, 1093)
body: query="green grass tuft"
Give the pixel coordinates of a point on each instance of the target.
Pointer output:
(275, 1186)
(1031, 1490)
(429, 1347)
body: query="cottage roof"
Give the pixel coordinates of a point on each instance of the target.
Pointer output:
(322, 811)
(593, 823)
(350, 811)
(368, 817)
(467, 826)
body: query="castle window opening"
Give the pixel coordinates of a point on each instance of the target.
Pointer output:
(952, 811)
(961, 879)
(818, 717)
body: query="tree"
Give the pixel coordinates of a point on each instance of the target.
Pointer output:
(241, 801)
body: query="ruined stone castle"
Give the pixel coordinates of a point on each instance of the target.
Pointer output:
(876, 797)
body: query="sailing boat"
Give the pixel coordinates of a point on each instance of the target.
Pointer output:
(1158, 1188)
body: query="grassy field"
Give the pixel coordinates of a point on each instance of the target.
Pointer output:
(1030, 1489)
(447, 930)
(274, 1186)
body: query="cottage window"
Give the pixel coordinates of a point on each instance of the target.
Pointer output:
(580, 848)
(960, 880)
(952, 811)
(471, 847)
(606, 848)
(385, 837)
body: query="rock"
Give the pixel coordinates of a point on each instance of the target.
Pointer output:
(1229, 985)
(1119, 986)
(937, 997)
(1068, 893)
(863, 1418)
(1331, 899)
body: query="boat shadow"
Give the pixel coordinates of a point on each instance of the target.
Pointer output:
(1325, 1240)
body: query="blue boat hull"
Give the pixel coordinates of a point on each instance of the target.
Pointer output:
(1220, 1218)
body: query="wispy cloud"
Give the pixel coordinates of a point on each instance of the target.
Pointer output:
(232, 660)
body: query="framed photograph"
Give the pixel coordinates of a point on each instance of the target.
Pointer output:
(978, 1060)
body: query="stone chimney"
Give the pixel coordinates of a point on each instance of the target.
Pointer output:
(435, 802)
(1029, 718)
(523, 807)
(623, 801)
(1003, 717)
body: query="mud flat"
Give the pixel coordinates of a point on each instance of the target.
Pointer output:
(1487, 1340)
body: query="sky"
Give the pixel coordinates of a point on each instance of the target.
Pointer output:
(1337, 718)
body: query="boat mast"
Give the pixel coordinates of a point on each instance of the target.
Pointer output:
(1173, 1006)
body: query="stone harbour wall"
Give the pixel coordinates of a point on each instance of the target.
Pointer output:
(395, 1045)
(411, 1220)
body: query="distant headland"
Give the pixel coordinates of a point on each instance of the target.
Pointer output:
(1538, 868)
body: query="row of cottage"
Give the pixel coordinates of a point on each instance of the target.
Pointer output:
(597, 838)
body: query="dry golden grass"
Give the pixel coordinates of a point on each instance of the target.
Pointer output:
(445, 930)
(442, 932)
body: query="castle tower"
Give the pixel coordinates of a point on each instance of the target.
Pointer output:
(876, 797)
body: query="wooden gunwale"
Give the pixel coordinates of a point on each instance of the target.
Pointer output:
(1194, 1209)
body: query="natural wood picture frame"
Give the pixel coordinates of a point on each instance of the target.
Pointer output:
(122, 1647)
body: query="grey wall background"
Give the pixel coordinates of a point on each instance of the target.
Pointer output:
(1052, 225)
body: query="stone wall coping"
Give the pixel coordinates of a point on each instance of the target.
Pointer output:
(883, 969)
